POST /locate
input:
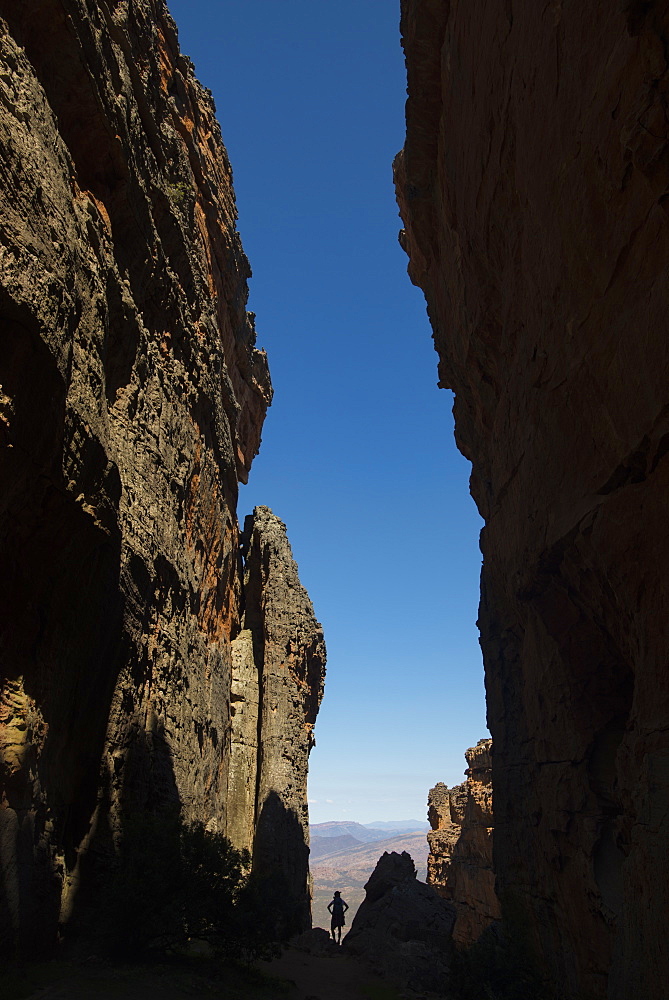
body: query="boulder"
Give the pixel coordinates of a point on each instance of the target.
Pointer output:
(403, 927)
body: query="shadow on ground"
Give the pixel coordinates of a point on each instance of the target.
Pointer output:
(294, 976)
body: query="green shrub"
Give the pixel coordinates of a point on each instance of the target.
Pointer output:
(181, 194)
(214, 876)
(143, 887)
(173, 882)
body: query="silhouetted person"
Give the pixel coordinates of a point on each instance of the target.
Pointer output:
(337, 908)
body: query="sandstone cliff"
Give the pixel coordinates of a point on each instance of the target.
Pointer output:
(132, 399)
(281, 647)
(460, 864)
(533, 187)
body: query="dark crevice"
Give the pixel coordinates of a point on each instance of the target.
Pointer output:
(636, 12)
(629, 472)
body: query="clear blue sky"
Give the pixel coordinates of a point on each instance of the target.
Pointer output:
(358, 455)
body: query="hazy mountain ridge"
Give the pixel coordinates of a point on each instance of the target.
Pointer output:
(367, 832)
(406, 825)
(339, 829)
(347, 868)
(357, 862)
(325, 846)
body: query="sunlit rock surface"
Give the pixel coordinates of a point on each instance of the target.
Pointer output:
(533, 189)
(285, 642)
(132, 400)
(460, 862)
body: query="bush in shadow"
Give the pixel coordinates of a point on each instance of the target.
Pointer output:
(174, 882)
(496, 969)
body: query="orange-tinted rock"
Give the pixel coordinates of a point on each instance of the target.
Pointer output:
(460, 863)
(533, 190)
(132, 400)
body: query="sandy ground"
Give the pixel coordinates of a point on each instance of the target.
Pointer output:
(329, 977)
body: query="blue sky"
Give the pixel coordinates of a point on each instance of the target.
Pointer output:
(358, 455)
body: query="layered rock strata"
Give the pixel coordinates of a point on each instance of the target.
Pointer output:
(533, 187)
(460, 863)
(131, 403)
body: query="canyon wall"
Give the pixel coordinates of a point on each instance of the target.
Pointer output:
(460, 862)
(132, 399)
(533, 187)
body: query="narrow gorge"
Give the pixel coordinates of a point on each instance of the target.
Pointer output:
(158, 657)
(153, 656)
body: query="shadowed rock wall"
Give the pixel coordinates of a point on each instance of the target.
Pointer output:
(460, 862)
(131, 402)
(533, 187)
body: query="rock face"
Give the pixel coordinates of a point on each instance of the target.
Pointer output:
(281, 647)
(402, 927)
(131, 402)
(460, 862)
(533, 188)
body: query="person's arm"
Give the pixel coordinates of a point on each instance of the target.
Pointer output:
(330, 907)
(345, 906)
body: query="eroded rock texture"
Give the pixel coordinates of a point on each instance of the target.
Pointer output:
(402, 927)
(460, 862)
(131, 402)
(533, 188)
(282, 647)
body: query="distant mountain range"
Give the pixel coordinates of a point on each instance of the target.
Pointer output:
(323, 847)
(399, 824)
(367, 832)
(344, 855)
(361, 833)
(355, 862)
